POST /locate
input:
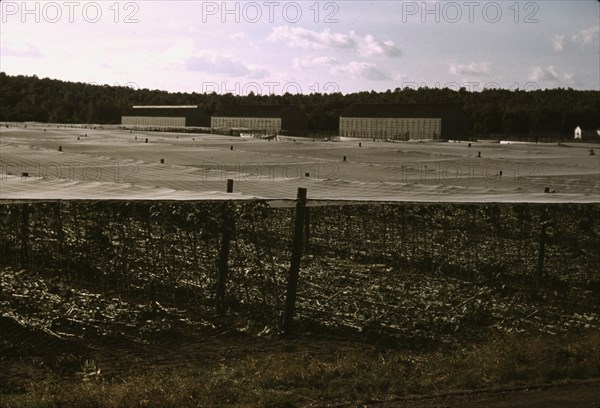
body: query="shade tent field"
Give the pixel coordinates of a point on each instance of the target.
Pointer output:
(50, 162)
(165, 116)
(272, 119)
(405, 121)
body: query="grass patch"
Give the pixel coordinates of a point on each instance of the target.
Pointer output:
(284, 378)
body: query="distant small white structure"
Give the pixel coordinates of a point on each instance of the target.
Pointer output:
(577, 133)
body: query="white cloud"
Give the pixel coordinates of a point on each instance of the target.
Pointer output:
(587, 35)
(550, 74)
(182, 26)
(298, 37)
(308, 63)
(353, 69)
(582, 39)
(538, 73)
(213, 63)
(371, 46)
(569, 78)
(257, 72)
(474, 68)
(237, 36)
(176, 24)
(365, 70)
(19, 49)
(558, 42)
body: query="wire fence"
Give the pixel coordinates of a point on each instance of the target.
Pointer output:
(357, 258)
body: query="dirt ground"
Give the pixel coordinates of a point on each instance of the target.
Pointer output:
(50, 329)
(64, 162)
(585, 394)
(181, 348)
(184, 347)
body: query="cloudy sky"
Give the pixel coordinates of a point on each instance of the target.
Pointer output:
(305, 46)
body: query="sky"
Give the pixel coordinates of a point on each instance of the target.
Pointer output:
(305, 46)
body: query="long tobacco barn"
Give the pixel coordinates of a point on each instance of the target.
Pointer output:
(268, 119)
(404, 121)
(165, 116)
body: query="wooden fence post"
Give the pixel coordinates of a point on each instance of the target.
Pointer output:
(292, 284)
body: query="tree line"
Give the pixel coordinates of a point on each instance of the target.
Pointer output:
(491, 111)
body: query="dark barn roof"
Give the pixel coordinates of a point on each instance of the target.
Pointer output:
(194, 116)
(455, 123)
(292, 118)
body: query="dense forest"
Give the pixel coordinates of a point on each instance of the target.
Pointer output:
(551, 111)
